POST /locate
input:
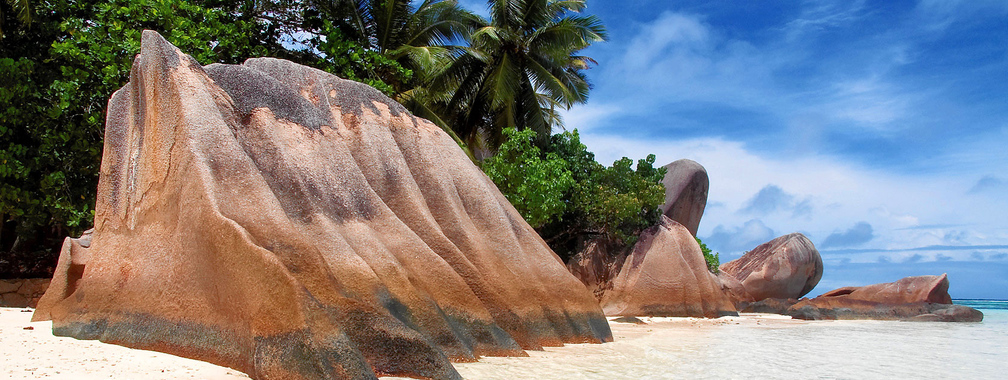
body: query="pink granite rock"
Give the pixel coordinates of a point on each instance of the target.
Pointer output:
(276, 219)
(686, 186)
(666, 275)
(786, 267)
(918, 298)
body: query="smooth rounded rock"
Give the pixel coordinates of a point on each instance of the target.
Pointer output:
(686, 185)
(917, 298)
(666, 275)
(786, 267)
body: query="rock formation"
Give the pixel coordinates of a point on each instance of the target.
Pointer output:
(786, 267)
(597, 266)
(278, 220)
(919, 298)
(930, 289)
(666, 275)
(24, 292)
(686, 186)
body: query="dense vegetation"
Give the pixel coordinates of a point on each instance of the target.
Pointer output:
(58, 71)
(485, 82)
(569, 198)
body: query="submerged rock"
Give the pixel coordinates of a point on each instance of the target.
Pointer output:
(686, 185)
(275, 219)
(666, 275)
(786, 267)
(919, 298)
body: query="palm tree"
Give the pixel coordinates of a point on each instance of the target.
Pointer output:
(22, 9)
(421, 38)
(519, 70)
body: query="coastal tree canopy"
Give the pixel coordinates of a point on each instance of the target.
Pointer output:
(59, 71)
(613, 203)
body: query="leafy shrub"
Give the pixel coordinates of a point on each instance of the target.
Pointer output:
(57, 75)
(713, 260)
(612, 203)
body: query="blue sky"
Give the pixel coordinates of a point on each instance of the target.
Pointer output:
(877, 128)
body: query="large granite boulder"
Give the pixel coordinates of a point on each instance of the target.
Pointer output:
(686, 186)
(275, 219)
(786, 267)
(919, 298)
(931, 289)
(665, 275)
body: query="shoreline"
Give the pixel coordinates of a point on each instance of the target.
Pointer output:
(752, 344)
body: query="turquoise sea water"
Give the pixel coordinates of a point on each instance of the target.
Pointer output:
(995, 311)
(983, 304)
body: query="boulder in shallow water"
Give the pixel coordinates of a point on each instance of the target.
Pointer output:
(666, 275)
(786, 267)
(686, 185)
(930, 289)
(918, 298)
(276, 219)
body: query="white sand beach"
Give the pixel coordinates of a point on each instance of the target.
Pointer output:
(37, 354)
(752, 345)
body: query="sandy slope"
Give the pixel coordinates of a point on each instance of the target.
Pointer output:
(36, 354)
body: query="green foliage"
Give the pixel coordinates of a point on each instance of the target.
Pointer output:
(349, 60)
(535, 183)
(713, 260)
(574, 197)
(58, 72)
(57, 77)
(519, 69)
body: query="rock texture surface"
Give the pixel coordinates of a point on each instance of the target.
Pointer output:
(786, 267)
(665, 275)
(686, 186)
(24, 292)
(930, 289)
(597, 266)
(281, 221)
(918, 298)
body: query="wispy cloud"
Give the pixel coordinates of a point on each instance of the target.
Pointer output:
(819, 15)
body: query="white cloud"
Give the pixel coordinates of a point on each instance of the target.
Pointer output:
(678, 62)
(840, 194)
(818, 15)
(585, 117)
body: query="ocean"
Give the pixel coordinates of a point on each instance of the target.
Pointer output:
(760, 346)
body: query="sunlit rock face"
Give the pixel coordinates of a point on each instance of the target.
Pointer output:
(665, 275)
(278, 220)
(686, 186)
(786, 267)
(917, 298)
